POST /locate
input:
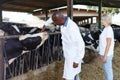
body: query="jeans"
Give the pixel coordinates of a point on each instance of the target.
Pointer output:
(76, 78)
(108, 68)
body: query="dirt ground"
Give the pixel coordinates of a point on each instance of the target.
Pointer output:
(91, 70)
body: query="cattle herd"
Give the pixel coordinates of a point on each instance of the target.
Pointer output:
(91, 37)
(34, 48)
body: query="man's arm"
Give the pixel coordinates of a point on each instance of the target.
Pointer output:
(80, 51)
(43, 28)
(78, 44)
(47, 23)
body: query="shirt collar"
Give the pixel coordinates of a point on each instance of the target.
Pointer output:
(66, 22)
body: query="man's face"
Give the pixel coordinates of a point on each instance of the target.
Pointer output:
(58, 21)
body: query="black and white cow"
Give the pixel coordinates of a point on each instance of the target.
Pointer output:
(14, 47)
(91, 39)
(116, 29)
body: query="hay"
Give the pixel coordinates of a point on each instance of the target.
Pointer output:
(90, 55)
(53, 72)
(93, 70)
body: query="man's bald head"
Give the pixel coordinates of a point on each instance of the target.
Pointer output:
(58, 18)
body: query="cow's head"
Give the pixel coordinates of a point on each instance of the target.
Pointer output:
(10, 29)
(33, 41)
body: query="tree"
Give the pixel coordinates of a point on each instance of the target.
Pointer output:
(108, 10)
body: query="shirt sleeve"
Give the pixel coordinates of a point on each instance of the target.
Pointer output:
(109, 33)
(78, 44)
(48, 22)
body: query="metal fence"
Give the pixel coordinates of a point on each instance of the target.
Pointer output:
(49, 52)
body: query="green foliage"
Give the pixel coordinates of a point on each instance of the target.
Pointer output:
(108, 10)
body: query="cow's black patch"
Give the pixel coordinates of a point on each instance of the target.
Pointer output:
(13, 48)
(31, 43)
(8, 28)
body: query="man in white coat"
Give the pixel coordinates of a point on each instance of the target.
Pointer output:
(73, 45)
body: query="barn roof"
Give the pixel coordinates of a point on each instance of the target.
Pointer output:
(31, 5)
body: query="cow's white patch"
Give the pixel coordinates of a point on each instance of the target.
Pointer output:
(23, 52)
(89, 42)
(40, 44)
(83, 34)
(90, 36)
(11, 60)
(92, 48)
(98, 49)
(22, 37)
(16, 28)
(34, 29)
(43, 36)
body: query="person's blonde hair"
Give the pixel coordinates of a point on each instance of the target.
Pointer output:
(107, 17)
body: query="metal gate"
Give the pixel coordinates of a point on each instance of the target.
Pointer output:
(49, 52)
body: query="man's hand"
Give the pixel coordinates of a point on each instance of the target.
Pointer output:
(43, 29)
(75, 65)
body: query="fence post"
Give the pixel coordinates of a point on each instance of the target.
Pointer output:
(2, 76)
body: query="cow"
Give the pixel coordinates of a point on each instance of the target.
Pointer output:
(30, 39)
(14, 47)
(91, 39)
(116, 30)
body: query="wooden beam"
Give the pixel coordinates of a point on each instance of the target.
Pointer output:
(25, 5)
(1, 61)
(36, 3)
(48, 8)
(70, 8)
(5, 1)
(1, 50)
(2, 76)
(42, 1)
(17, 10)
(50, 2)
(106, 3)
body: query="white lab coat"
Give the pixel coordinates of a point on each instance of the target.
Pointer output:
(73, 48)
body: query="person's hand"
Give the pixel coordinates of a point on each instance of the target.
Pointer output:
(103, 59)
(75, 65)
(43, 29)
